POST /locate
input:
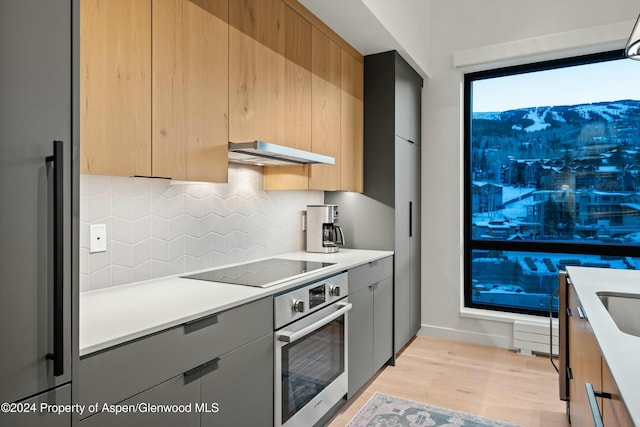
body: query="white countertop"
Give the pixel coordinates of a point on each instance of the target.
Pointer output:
(619, 349)
(112, 316)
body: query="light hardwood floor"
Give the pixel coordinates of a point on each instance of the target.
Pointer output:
(481, 380)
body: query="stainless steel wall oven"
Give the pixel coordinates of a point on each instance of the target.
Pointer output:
(310, 350)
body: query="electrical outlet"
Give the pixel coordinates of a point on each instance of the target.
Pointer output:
(97, 238)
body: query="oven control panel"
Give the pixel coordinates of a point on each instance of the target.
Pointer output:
(303, 300)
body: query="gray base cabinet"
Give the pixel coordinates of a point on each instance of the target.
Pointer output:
(36, 416)
(370, 321)
(242, 387)
(382, 322)
(178, 395)
(217, 394)
(219, 368)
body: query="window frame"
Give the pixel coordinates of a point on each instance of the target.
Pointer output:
(520, 246)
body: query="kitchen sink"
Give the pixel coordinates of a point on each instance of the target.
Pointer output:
(624, 309)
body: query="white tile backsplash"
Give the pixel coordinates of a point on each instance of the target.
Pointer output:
(157, 229)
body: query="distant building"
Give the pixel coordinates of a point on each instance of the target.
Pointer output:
(499, 229)
(593, 207)
(486, 197)
(631, 216)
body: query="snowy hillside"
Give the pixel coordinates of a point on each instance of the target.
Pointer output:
(540, 118)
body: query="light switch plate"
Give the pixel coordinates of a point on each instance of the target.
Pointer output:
(97, 238)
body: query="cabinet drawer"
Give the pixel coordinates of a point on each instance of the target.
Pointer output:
(242, 386)
(177, 391)
(372, 272)
(118, 373)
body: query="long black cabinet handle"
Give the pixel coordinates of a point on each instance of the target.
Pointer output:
(410, 219)
(57, 164)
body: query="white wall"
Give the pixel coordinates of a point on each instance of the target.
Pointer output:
(406, 22)
(466, 30)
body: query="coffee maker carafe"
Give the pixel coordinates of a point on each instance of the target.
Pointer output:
(323, 232)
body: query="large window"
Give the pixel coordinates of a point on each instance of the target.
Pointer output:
(552, 176)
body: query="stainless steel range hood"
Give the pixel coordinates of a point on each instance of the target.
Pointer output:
(262, 153)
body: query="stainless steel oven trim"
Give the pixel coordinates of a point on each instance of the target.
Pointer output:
(289, 336)
(323, 402)
(283, 303)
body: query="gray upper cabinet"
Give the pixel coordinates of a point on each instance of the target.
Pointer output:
(387, 215)
(408, 99)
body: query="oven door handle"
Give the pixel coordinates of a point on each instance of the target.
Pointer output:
(292, 336)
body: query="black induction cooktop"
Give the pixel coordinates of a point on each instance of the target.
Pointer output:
(260, 274)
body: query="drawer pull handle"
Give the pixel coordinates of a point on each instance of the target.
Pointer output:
(582, 313)
(200, 371)
(195, 325)
(593, 404)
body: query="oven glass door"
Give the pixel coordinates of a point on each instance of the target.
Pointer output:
(310, 364)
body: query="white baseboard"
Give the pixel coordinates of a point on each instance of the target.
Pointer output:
(466, 336)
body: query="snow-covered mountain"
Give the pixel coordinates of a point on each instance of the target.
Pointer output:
(534, 119)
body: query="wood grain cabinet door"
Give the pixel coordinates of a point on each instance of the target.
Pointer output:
(325, 110)
(584, 361)
(614, 411)
(115, 87)
(297, 93)
(190, 89)
(256, 71)
(351, 124)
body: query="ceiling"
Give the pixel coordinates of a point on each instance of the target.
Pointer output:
(373, 26)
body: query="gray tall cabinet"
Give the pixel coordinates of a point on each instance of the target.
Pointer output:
(39, 212)
(387, 215)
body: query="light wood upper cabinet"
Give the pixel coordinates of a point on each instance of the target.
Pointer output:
(190, 89)
(297, 79)
(165, 84)
(297, 92)
(325, 110)
(167, 120)
(256, 71)
(352, 116)
(115, 87)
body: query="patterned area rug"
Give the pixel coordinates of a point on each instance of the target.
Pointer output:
(383, 410)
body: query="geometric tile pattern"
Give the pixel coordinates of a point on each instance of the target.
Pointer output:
(157, 228)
